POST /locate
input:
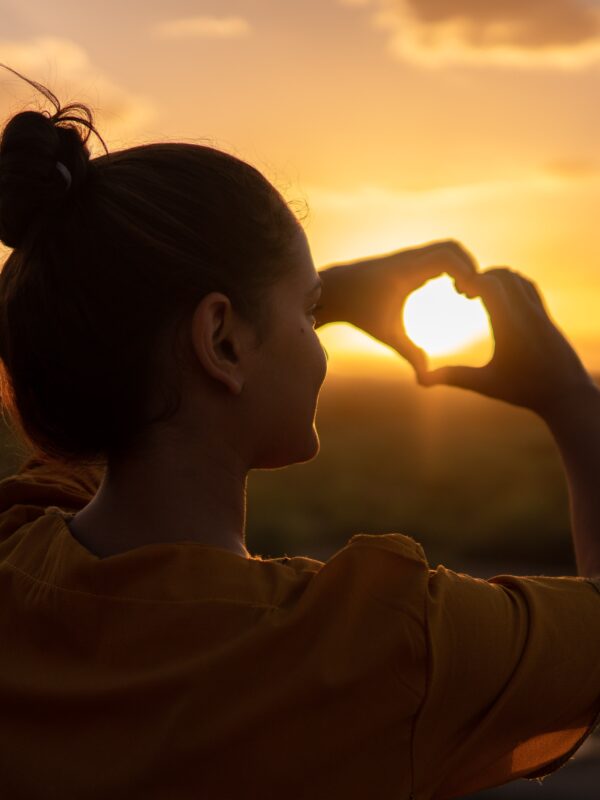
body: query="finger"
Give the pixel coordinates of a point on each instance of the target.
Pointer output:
(475, 285)
(515, 285)
(466, 287)
(492, 288)
(534, 295)
(526, 308)
(444, 257)
(474, 378)
(415, 356)
(530, 304)
(499, 286)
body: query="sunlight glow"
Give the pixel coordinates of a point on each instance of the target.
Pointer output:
(441, 321)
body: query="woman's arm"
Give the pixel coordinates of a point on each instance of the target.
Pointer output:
(575, 425)
(535, 367)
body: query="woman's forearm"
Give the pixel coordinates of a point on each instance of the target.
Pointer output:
(575, 425)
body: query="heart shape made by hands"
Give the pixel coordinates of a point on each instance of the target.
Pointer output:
(448, 326)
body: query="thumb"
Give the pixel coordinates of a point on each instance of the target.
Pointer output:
(415, 355)
(417, 358)
(473, 378)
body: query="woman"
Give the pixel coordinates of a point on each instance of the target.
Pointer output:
(157, 337)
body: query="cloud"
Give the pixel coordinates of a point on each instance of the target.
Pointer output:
(525, 33)
(203, 27)
(65, 68)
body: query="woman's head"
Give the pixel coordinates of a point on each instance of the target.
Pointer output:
(115, 279)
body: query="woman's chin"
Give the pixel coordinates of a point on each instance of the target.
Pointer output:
(306, 452)
(312, 450)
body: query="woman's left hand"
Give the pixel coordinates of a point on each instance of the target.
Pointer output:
(371, 293)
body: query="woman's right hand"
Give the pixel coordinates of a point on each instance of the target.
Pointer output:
(533, 365)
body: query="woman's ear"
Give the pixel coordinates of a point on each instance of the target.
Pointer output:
(219, 340)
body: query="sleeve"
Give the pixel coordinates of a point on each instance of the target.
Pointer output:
(50, 483)
(513, 679)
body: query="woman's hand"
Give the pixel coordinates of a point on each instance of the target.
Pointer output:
(533, 365)
(371, 293)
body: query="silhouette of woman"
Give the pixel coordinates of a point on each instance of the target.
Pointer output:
(158, 315)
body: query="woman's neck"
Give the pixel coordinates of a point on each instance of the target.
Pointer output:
(160, 500)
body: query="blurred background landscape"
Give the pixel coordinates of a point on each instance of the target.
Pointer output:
(477, 482)
(474, 480)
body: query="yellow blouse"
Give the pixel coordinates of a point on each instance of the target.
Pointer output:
(179, 671)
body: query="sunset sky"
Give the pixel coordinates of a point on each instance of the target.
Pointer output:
(396, 121)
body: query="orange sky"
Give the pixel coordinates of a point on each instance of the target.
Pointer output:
(396, 121)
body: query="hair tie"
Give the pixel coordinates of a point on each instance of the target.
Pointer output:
(64, 172)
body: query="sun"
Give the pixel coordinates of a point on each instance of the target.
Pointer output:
(441, 321)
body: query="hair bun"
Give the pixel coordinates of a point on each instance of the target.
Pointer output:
(32, 189)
